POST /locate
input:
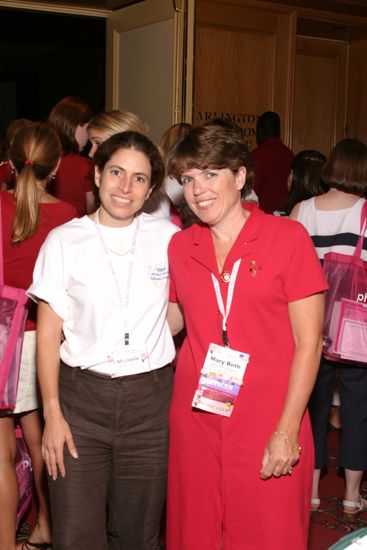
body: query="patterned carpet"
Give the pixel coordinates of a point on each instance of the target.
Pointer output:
(330, 515)
(327, 525)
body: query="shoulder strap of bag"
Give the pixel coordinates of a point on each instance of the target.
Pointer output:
(363, 227)
(1, 247)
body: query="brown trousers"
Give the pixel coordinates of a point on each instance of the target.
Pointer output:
(113, 495)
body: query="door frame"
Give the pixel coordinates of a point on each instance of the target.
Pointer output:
(147, 13)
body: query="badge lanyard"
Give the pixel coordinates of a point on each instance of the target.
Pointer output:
(218, 294)
(124, 302)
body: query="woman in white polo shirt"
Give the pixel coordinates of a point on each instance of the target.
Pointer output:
(102, 287)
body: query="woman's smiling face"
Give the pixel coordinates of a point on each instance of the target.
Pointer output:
(124, 186)
(213, 193)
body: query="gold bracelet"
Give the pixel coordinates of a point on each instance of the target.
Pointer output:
(293, 443)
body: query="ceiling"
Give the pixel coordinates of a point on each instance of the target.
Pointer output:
(350, 7)
(90, 6)
(357, 8)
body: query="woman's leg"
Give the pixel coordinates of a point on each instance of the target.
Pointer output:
(78, 500)
(315, 499)
(32, 431)
(353, 503)
(138, 478)
(8, 484)
(353, 454)
(319, 410)
(353, 480)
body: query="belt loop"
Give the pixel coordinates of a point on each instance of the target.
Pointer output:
(155, 376)
(74, 373)
(71, 372)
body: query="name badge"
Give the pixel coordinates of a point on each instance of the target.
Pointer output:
(129, 360)
(220, 380)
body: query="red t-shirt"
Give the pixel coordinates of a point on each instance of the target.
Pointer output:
(19, 259)
(73, 181)
(7, 176)
(272, 160)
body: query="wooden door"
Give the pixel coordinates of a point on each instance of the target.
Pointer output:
(319, 114)
(243, 64)
(357, 90)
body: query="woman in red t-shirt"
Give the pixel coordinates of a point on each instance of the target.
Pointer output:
(28, 214)
(74, 179)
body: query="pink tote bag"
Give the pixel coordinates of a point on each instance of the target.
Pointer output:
(345, 323)
(13, 314)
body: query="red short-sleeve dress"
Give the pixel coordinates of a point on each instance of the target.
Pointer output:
(216, 498)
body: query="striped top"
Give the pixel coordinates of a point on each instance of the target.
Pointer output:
(333, 230)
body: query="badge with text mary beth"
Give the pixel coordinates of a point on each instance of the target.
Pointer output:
(220, 380)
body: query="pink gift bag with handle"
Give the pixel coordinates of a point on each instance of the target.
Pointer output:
(345, 323)
(13, 314)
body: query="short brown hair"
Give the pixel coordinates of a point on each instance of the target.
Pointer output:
(214, 146)
(346, 168)
(65, 117)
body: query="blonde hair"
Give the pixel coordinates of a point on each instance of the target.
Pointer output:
(114, 122)
(35, 152)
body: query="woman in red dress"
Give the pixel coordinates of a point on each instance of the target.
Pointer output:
(246, 284)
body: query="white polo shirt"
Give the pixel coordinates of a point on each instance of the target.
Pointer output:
(73, 275)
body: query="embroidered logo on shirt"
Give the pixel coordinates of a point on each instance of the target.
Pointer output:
(158, 274)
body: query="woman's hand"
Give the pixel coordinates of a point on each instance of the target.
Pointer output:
(281, 454)
(55, 435)
(57, 431)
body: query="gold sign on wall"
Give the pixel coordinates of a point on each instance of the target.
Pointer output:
(246, 121)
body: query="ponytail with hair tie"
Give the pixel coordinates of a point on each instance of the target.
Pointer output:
(38, 146)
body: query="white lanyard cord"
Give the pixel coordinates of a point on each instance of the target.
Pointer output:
(124, 302)
(225, 312)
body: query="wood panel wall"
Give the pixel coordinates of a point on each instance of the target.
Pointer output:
(357, 91)
(319, 109)
(243, 64)
(248, 59)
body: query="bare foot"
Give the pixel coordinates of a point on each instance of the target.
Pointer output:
(40, 534)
